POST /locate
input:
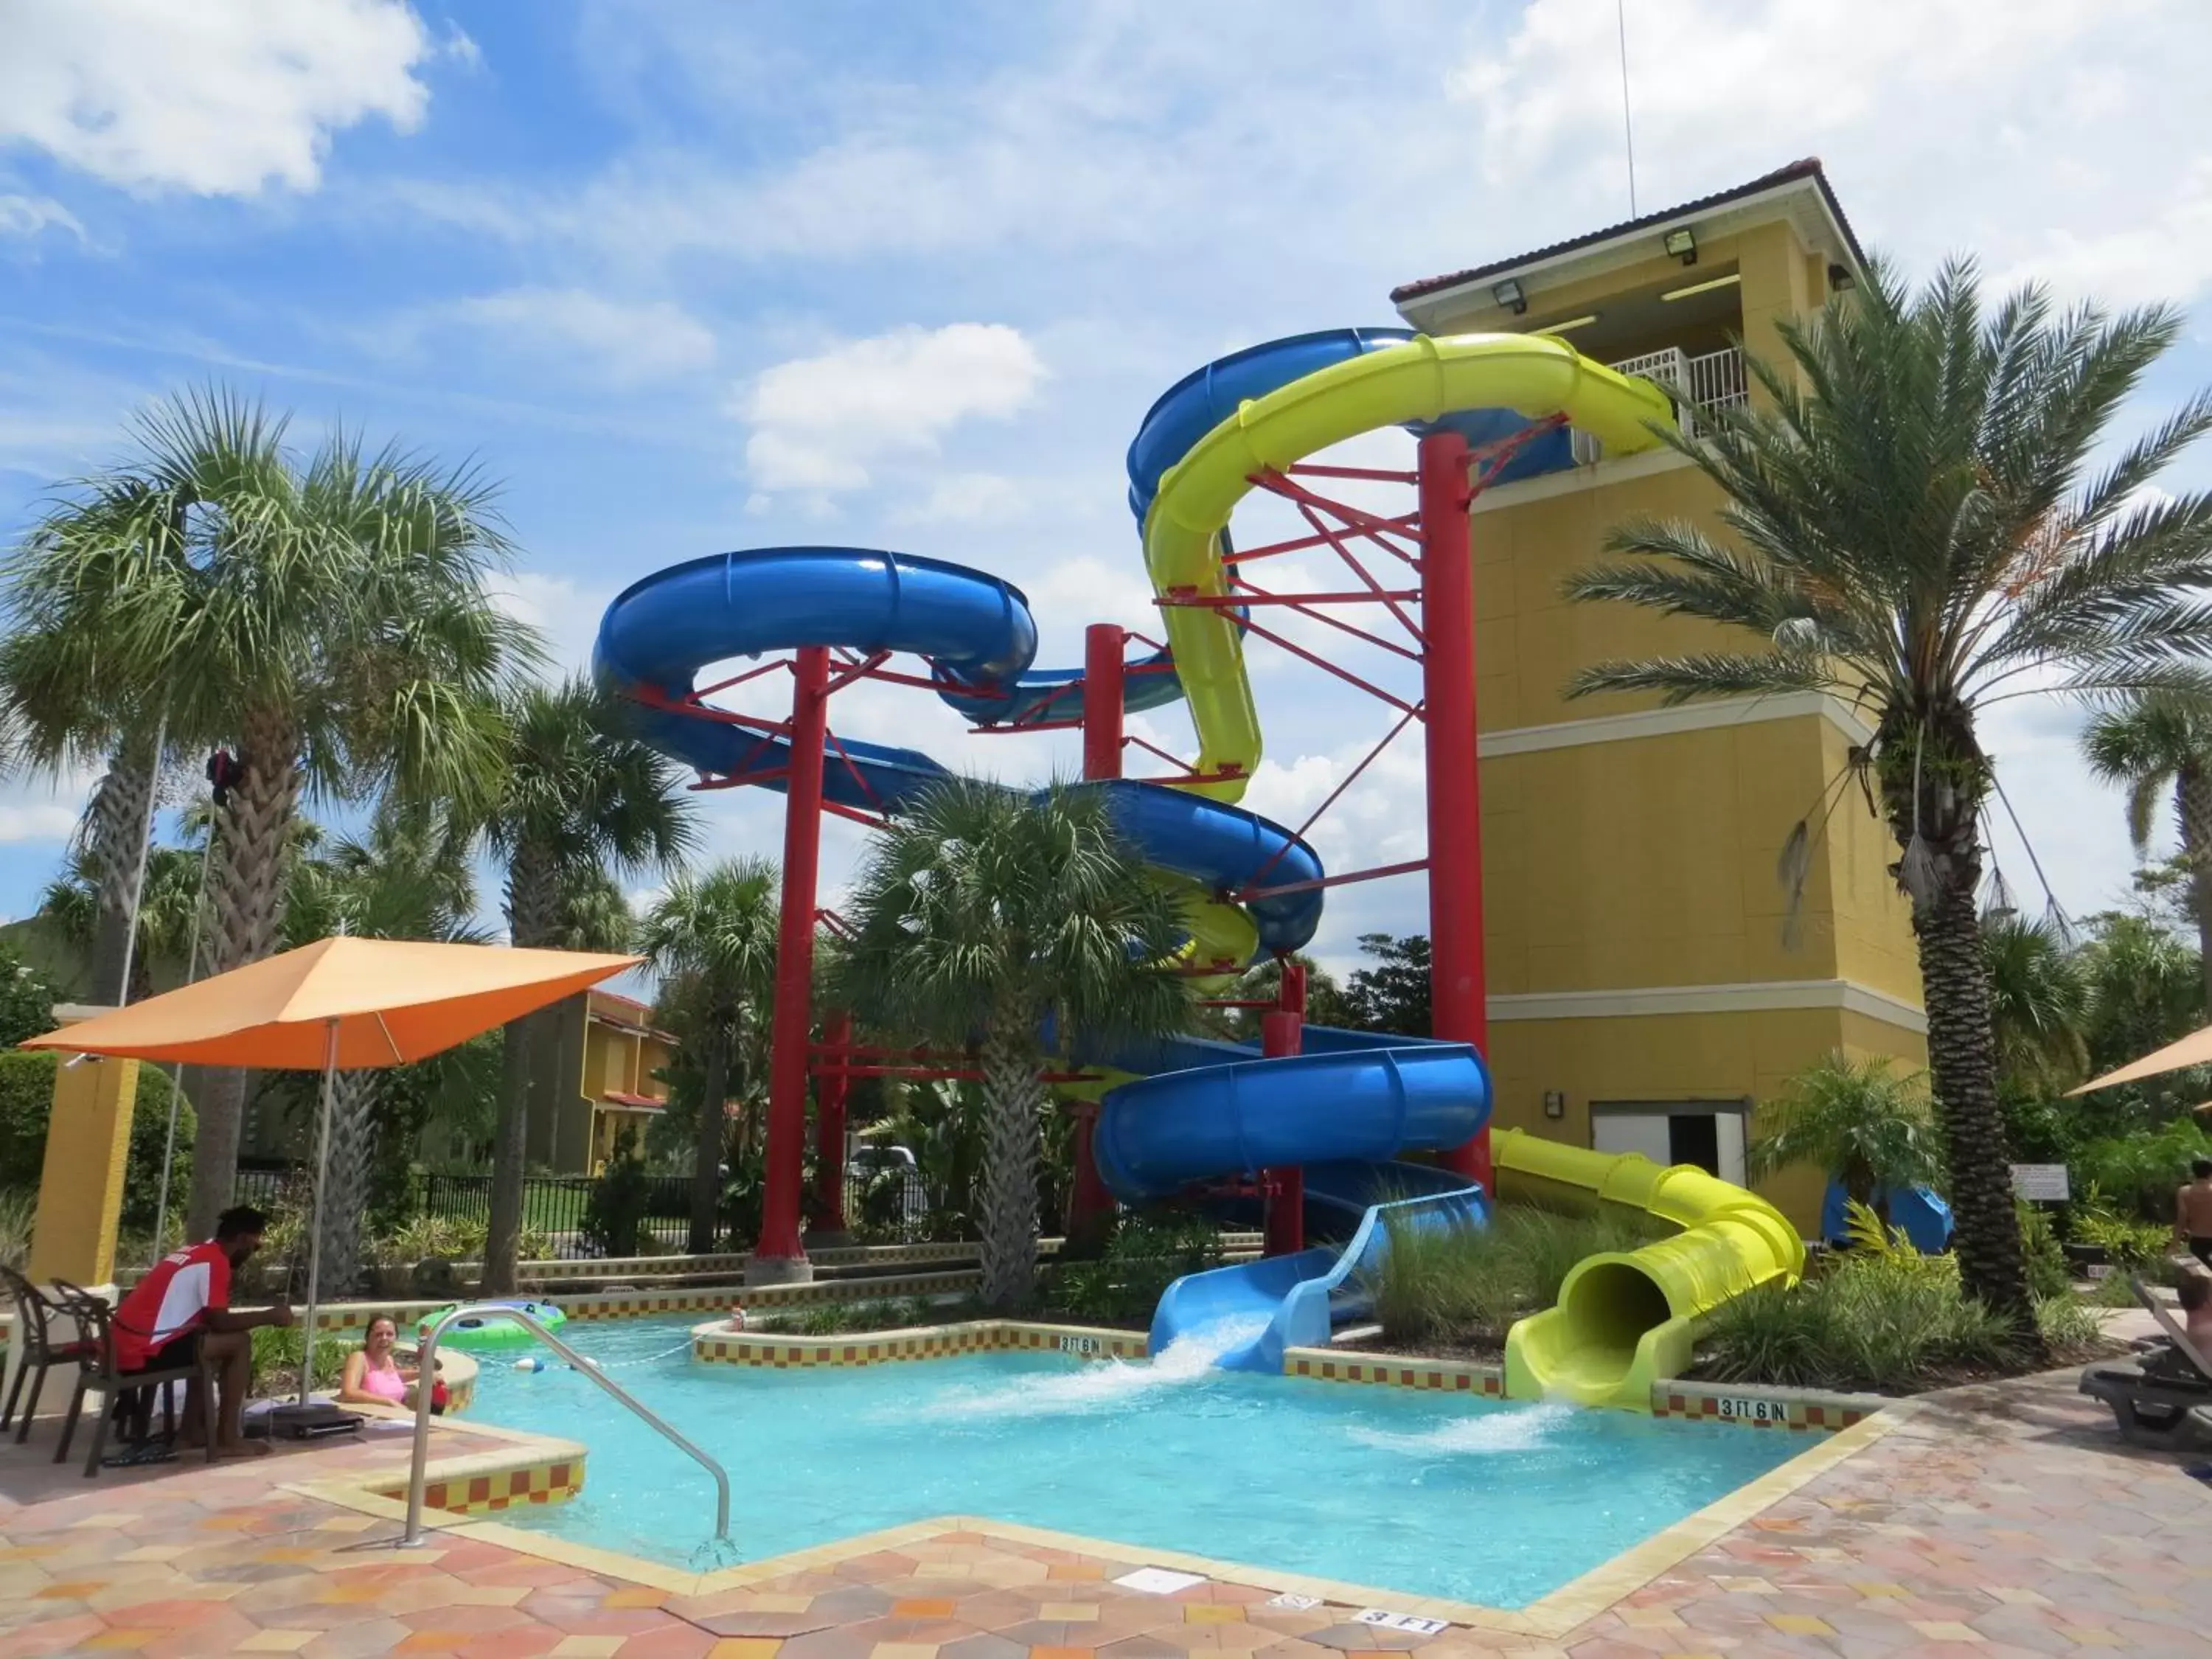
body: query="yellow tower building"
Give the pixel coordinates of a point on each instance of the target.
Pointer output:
(1642, 994)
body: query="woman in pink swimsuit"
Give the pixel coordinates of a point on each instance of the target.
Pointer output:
(372, 1377)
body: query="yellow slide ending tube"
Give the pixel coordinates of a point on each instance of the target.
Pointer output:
(1534, 375)
(1625, 1319)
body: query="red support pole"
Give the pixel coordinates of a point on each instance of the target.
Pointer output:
(1282, 1033)
(1090, 1204)
(779, 1257)
(1102, 682)
(1458, 983)
(832, 1089)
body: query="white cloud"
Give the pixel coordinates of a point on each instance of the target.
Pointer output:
(216, 97)
(962, 498)
(28, 215)
(1946, 124)
(899, 393)
(627, 342)
(42, 821)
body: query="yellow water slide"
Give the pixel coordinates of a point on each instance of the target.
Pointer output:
(1627, 1318)
(1533, 374)
(1623, 1318)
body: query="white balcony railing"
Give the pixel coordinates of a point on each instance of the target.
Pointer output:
(1714, 379)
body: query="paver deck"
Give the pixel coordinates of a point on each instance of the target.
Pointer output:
(1997, 1521)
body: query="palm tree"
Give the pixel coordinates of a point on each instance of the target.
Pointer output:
(66, 697)
(329, 618)
(409, 878)
(990, 912)
(2151, 745)
(1857, 1123)
(75, 907)
(2038, 1005)
(1917, 533)
(717, 931)
(578, 792)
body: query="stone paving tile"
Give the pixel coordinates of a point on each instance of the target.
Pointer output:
(2004, 1520)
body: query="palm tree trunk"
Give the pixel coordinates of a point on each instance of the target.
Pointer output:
(122, 804)
(533, 902)
(252, 846)
(1011, 1098)
(2192, 799)
(1962, 1061)
(345, 1192)
(503, 1232)
(712, 1136)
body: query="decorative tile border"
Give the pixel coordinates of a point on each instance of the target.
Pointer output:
(1764, 1407)
(340, 1318)
(515, 1470)
(715, 1344)
(1803, 1409)
(1450, 1375)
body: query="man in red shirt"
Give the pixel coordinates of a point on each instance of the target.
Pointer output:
(181, 1309)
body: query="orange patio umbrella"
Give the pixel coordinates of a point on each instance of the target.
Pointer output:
(339, 1005)
(2195, 1050)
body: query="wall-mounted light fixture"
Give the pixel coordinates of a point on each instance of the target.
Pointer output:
(1682, 245)
(1555, 1102)
(1705, 286)
(1841, 278)
(1508, 294)
(1583, 321)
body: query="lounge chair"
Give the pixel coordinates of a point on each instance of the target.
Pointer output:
(40, 1331)
(2163, 1400)
(98, 1373)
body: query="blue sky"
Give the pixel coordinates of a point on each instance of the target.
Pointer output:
(697, 275)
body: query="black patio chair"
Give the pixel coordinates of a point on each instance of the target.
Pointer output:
(98, 1373)
(45, 1343)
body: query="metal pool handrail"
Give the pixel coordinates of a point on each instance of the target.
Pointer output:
(427, 1360)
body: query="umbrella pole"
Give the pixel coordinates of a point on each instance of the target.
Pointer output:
(315, 1212)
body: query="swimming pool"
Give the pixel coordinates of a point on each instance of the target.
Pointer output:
(1428, 1493)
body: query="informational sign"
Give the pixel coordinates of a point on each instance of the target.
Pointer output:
(1288, 1601)
(1087, 1345)
(2044, 1183)
(1383, 1619)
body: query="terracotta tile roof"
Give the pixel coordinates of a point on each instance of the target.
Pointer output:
(1808, 168)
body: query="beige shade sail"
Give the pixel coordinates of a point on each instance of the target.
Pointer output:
(391, 1000)
(2195, 1050)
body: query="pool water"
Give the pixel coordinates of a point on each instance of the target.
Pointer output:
(1429, 1493)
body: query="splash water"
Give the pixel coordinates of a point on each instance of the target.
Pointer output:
(1526, 1428)
(1108, 1385)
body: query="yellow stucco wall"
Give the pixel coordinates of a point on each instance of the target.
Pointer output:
(1699, 1056)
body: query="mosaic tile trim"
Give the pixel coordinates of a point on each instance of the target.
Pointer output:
(486, 1492)
(647, 1304)
(1449, 1376)
(714, 1345)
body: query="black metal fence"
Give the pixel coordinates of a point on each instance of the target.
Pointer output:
(888, 1202)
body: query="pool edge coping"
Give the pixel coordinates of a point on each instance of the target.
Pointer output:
(1554, 1614)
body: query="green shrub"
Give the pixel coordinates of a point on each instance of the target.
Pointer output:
(276, 1355)
(1882, 1317)
(27, 1098)
(2048, 1273)
(614, 1215)
(2128, 1243)
(1468, 1285)
(2137, 1173)
(1126, 1281)
(17, 1210)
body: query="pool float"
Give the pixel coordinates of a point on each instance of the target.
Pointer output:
(479, 1332)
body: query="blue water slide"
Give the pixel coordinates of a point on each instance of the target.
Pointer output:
(1346, 1106)
(1918, 1211)
(1346, 1109)
(976, 632)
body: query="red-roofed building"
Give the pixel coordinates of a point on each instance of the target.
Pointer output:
(602, 1079)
